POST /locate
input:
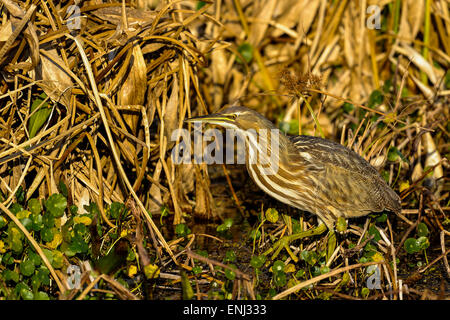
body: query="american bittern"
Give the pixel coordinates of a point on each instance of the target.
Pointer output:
(314, 174)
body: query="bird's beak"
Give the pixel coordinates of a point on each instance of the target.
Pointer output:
(214, 118)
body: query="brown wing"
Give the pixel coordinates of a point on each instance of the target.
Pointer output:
(345, 180)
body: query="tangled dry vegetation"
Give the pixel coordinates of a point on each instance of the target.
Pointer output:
(87, 111)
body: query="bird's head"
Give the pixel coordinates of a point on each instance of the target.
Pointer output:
(236, 117)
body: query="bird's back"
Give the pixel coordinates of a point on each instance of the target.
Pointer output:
(345, 182)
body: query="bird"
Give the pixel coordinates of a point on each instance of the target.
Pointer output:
(313, 174)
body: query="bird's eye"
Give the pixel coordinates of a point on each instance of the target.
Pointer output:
(233, 116)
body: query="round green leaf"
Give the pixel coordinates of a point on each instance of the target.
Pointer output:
(309, 256)
(116, 209)
(272, 215)
(422, 243)
(35, 206)
(230, 256)
(246, 51)
(278, 266)
(41, 296)
(411, 246)
(182, 230)
(280, 279)
(47, 234)
(48, 220)
(10, 275)
(228, 223)
(255, 234)
(348, 107)
(422, 230)
(341, 225)
(382, 218)
(3, 222)
(37, 222)
(56, 204)
(374, 231)
(58, 259)
(80, 229)
(258, 261)
(27, 268)
(375, 99)
(26, 294)
(324, 269)
(196, 270)
(230, 274)
(27, 223)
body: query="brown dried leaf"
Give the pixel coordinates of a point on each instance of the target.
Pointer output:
(171, 112)
(290, 13)
(132, 91)
(56, 83)
(6, 31)
(258, 29)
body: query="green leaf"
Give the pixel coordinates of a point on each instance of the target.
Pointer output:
(423, 243)
(48, 220)
(26, 294)
(393, 154)
(375, 99)
(199, 5)
(27, 268)
(43, 275)
(278, 266)
(246, 51)
(78, 245)
(41, 296)
(411, 246)
(374, 231)
(80, 229)
(27, 223)
(230, 256)
(58, 259)
(382, 218)
(39, 117)
(56, 204)
(230, 274)
(365, 292)
(196, 270)
(37, 222)
(255, 234)
(324, 269)
(34, 257)
(279, 279)
(10, 275)
(227, 223)
(16, 208)
(3, 222)
(47, 234)
(309, 256)
(182, 230)
(348, 107)
(272, 215)
(63, 188)
(20, 195)
(258, 261)
(116, 209)
(422, 230)
(49, 255)
(341, 225)
(300, 273)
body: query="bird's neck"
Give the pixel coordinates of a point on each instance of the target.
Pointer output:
(266, 146)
